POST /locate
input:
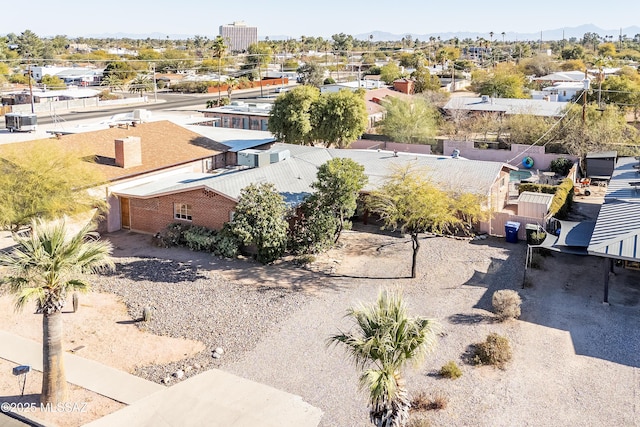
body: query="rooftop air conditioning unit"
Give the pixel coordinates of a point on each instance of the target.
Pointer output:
(485, 98)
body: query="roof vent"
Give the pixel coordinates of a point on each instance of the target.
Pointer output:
(455, 153)
(485, 98)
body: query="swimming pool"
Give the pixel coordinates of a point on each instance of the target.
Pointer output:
(519, 175)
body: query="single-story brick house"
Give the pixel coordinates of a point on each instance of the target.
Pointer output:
(209, 200)
(150, 152)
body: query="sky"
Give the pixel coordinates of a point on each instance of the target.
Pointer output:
(75, 18)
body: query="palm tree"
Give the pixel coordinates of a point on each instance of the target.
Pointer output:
(112, 81)
(141, 84)
(232, 83)
(46, 265)
(219, 49)
(384, 341)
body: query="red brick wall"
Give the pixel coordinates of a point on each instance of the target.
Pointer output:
(208, 209)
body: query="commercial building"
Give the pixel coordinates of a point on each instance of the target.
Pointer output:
(238, 36)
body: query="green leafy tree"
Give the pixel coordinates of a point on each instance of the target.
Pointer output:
(42, 181)
(382, 343)
(52, 82)
(339, 182)
(290, 117)
(313, 228)
(342, 43)
(121, 69)
(339, 118)
(424, 81)
(504, 81)
(47, 265)
(409, 202)
(410, 121)
(311, 74)
(539, 65)
(30, 45)
(527, 129)
(390, 72)
(259, 220)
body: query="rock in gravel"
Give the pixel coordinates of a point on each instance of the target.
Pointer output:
(219, 350)
(216, 355)
(178, 374)
(166, 380)
(196, 366)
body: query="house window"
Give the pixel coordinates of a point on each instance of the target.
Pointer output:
(255, 123)
(182, 211)
(236, 122)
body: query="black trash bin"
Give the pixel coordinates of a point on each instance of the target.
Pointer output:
(531, 229)
(511, 231)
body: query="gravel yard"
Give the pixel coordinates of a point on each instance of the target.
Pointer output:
(575, 360)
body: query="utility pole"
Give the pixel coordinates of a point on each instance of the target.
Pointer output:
(155, 86)
(30, 84)
(584, 99)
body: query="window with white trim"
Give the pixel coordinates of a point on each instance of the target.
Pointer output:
(182, 211)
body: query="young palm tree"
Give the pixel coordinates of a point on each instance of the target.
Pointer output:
(45, 266)
(384, 342)
(232, 84)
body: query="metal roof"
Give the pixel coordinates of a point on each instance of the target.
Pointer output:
(625, 180)
(536, 198)
(617, 231)
(617, 228)
(602, 155)
(235, 139)
(536, 107)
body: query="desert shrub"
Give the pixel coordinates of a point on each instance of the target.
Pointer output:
(304, 259)
(451, 370)
(561, 166)
(495, 351)
(198, 238)
(172, 235)
(226, 243)
(506, 304)
(423, 402)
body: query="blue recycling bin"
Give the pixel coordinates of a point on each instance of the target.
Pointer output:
(511, 231)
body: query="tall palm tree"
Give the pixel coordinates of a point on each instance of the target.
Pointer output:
(219, 48)
(46, 265)
(383, 342)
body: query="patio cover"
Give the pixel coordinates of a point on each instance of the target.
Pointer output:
(573, 239)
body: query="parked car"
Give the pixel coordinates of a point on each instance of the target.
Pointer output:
(281, 89)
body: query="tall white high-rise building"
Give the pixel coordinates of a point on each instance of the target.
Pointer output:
(238, 36)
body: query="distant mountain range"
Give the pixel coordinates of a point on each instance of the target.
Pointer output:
(557, 34)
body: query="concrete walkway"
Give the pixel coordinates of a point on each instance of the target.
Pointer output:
(217, 399)
(105, 380)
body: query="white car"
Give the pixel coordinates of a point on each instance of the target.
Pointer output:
(281, 89)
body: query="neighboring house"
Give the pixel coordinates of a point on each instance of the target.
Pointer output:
(145, 151)
(506, 106)
(209, 200)
(369, 84)
(563, 76)
(241, 115)
(560, 91)
(405, 86)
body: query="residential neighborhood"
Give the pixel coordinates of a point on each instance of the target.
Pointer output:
(241, 229)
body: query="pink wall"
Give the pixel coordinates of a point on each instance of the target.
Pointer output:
(369, 144)
(514, 156)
